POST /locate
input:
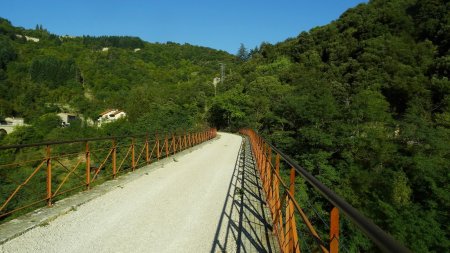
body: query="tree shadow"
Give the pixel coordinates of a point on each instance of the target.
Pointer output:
(245, 223)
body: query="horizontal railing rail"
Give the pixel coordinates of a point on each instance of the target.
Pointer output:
(51, 142)
(67, 142)
(285, 227)
(43, 172)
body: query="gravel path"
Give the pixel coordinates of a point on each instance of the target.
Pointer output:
(172, 209)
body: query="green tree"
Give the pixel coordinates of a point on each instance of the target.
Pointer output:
(7, 53)
(242, 53)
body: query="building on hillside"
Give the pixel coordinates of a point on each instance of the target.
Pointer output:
(105, 49)
(14, 121)
(10, 124)
(31, 39)
(67, 118)
(110, 115)
(27, 38)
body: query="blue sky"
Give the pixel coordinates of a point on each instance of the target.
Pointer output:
(217, 24)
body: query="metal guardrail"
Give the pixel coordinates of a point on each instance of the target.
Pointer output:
(287, 234)
(102, 157)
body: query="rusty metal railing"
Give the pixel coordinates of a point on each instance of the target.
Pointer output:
(33, 174)
(285, 209)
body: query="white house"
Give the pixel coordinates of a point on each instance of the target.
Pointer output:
(110, 116)
(105, 49)
(32, 39)
(28, 38)
(66, 118)
(11, 123)
(14, 121)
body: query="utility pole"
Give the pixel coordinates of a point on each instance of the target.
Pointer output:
(222, 72)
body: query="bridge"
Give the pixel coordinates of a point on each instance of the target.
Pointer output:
(185, 192)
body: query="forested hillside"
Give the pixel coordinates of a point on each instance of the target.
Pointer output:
(363, 103)
(159, 86)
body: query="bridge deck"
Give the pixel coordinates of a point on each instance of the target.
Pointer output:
(206, 200)
(245, 222)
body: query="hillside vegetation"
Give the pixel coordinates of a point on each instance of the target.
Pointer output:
(159, 86)
(363, 103)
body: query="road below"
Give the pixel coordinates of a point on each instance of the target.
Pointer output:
(175, 207)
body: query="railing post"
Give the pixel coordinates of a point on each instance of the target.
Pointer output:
(147, 158)
(114, 157)
(279, 224)
(258, 161)
(293, 245)
(268, 172)
(270, 181)
(334, 230)
(166, 143)
(263, 166)
(174, 144)
(132, 154)
(49, 176)
(276, 185)
(88, 167)
(158, 154)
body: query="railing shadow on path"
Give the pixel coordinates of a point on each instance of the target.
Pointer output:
(244, 224)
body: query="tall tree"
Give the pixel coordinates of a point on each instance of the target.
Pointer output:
(243, 53)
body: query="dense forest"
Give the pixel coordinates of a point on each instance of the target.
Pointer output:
(363, 103)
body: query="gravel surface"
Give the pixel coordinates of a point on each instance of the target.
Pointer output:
(175, 208)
